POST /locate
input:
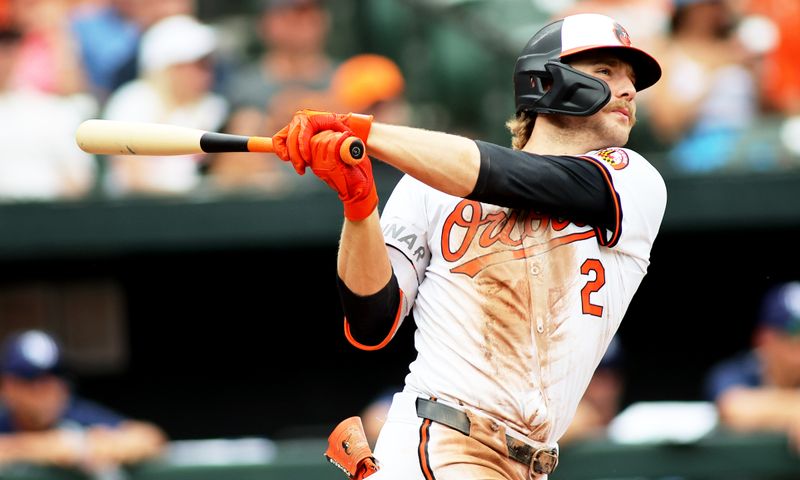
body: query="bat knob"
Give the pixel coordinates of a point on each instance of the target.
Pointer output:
(352, 150)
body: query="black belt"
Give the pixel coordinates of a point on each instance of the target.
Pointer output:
(540, 460)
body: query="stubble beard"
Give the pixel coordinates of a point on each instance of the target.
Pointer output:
(597, 131)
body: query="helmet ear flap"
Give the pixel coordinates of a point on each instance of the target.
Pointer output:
(573, 92)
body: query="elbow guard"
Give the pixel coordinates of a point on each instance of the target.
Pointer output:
(371, 318)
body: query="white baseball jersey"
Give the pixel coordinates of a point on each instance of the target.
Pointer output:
(514, 310)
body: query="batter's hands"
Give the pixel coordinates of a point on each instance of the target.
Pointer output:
(354, 183)
(293, 142)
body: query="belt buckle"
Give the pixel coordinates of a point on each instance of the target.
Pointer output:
(544, 461)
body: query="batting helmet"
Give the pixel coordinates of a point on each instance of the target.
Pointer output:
(545, 83)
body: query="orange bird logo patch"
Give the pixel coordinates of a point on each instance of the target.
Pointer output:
(615, 157)
(622, 35)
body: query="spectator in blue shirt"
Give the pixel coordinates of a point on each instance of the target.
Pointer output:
(43, 421)
(760, 389)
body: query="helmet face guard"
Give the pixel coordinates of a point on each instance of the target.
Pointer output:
(544, 83)
(560, 89)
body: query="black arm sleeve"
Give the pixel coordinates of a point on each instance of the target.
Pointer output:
(370, 317)
(568, 187)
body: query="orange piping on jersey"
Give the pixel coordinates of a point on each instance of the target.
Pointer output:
(474, 266)
(389, 336)
(424, 458)
(601, 237)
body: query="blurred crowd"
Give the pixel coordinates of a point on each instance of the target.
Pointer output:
(66, 61)
(729, 99)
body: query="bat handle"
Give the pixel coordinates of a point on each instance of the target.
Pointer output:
(351, 152)
(259, 144)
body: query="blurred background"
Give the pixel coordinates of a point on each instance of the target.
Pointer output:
(198, 293)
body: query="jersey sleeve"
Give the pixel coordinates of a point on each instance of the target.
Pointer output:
(561, 186)
(641, 196)
(404, 224)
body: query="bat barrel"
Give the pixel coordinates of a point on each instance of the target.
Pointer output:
(109, 137)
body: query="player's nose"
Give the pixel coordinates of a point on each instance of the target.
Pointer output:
(625, 88)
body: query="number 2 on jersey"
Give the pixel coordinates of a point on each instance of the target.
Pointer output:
(589, 266)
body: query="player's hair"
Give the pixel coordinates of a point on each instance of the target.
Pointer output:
(521, 127)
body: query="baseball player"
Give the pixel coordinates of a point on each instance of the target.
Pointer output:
(517, 263)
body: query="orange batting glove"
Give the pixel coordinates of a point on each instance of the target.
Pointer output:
(354, 183)
(293, 142)
(349, 450)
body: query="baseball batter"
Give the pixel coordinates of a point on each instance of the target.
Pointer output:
(517, 263)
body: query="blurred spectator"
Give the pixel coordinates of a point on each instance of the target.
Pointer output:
(371, 84)
(770, 26)
(5, 14)
(759, 389)
(40, 160)
(145, 14)
(773, 27)
(44, 421)
(293, 69)
(603, 398)
(49, 58)
(177, 67)
(107, 35)
(708, 96)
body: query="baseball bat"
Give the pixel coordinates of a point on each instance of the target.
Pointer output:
(116, 137)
